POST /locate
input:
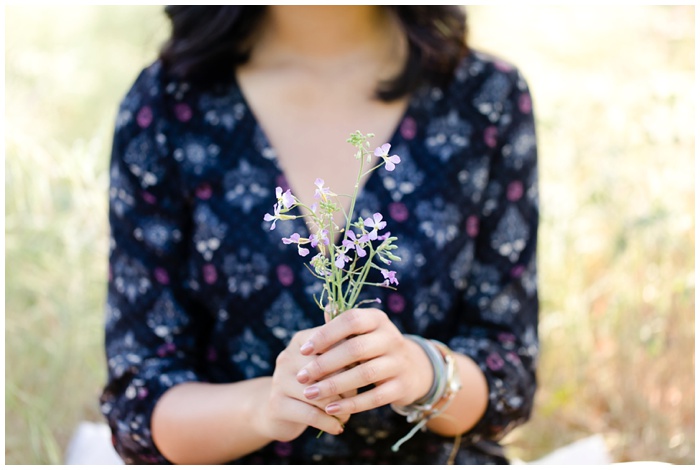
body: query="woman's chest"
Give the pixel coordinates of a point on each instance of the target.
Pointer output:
(310, 140)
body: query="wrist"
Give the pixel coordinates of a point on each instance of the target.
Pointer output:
(259, 409)
(446, 385)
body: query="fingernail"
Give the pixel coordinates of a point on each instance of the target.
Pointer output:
(307, 347)
(303, 376)
(332, 408)
(312, 392)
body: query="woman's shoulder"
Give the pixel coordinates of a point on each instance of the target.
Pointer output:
(153, 84)
(481, 65)
(174, 98)
(146, 89)
(155, 96)
(155, 88)
(487, 83)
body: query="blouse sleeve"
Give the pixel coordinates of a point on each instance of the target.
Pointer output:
(501, 298)
(150, 332)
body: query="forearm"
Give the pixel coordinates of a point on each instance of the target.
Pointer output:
(468, 405)
(201, 423)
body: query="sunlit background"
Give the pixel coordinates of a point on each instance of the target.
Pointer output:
(613, 95)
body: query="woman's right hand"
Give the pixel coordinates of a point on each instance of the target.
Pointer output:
(286, 413)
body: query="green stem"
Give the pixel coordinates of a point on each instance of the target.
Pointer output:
(372, 169)
(348, 220)
(346, 298)
(357, 285)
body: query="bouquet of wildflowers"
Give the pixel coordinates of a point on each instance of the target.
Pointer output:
(342, 268)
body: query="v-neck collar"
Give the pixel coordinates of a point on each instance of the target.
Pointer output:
(260, 133)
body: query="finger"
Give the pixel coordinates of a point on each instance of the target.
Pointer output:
(290, 388)
(301, 337)
(349, 323)
(342, 356)
(301, 412)
(345, 383)
(348, 394)
(381, 395)
(342, 418)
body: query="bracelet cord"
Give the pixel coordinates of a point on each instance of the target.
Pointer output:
(446, 384)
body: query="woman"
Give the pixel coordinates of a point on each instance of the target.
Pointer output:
(216, 350)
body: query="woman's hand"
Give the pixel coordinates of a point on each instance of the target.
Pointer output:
(287, 412)
(358, 348)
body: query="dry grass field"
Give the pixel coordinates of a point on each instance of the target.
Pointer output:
(613, 94)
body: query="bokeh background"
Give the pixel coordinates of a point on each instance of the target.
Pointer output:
(614, 100)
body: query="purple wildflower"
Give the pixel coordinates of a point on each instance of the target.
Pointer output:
(321, 192)
(274, 217)
(286, 198)
(354, 243)
(321, 237)
(296, 238)
(382, 151)
(340, 259)
(389, 277)
(293, 238)
(390, 162)
(376, 224)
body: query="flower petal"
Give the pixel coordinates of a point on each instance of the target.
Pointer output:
(288, 199)
(382, 151)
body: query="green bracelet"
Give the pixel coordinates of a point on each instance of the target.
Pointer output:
(417, 409)
(448, 383)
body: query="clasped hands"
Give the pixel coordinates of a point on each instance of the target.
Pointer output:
(317, 376)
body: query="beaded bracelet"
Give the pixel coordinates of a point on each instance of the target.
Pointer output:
(446, 380)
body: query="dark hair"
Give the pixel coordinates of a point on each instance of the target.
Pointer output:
(208, 41)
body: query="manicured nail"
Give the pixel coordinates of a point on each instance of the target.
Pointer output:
(332, 408)
(307, 347)
(303, 376)
(312, 392)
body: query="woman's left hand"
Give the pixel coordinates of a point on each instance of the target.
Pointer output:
(358, 348)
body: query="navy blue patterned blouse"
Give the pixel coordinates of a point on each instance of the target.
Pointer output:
(200, 289)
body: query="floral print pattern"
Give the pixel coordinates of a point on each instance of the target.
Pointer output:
(191, 258)
(448, 135)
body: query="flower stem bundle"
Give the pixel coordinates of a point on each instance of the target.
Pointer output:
(343, 268)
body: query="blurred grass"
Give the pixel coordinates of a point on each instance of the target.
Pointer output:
(613, 93)
(66, 70)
